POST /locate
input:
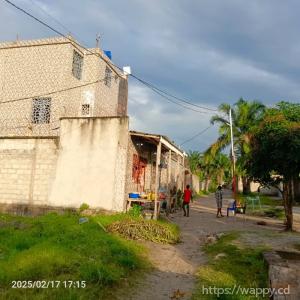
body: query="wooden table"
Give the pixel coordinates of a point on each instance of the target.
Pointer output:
(141, 200)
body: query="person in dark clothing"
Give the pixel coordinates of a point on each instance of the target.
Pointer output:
(219, 198)
(187, 197)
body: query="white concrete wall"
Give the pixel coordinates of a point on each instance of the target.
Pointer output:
(195, 183)
(91, 167)
(86, 165)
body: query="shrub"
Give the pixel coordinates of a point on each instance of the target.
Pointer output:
(83, 207)
(135, 211)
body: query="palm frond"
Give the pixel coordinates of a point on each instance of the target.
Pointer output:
(218, 119)
(221, 143)
(224, 107)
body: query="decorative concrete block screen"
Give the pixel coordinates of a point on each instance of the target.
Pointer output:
(44, 80)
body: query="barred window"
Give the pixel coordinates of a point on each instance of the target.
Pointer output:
(107, 79)
(85, 110)
(41, 110)
(77, 65)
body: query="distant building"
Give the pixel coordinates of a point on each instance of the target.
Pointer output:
(55, 78)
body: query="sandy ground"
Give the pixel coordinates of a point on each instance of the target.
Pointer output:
(175, 265)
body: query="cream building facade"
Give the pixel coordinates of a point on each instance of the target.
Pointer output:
(44, 80)
(63, 127)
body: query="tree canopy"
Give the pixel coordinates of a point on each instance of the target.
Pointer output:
(275, 144)
(275, 152)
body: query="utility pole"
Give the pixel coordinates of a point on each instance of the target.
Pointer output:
(157, 179)
(232, 153)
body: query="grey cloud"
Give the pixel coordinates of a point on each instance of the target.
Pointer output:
(209, 51)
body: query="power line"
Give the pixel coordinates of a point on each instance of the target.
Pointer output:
(196, 135)
(65, 36)
(53, 18)
(54, 92)
(177, 103)
(157, 90)
(150, 85)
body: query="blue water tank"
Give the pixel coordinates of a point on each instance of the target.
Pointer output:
(107, 53)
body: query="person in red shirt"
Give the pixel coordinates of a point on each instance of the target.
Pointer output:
(187, 197)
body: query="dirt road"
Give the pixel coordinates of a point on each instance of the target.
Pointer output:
(176, 265)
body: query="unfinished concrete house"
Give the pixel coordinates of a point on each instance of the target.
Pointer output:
(63, 126)
(64, 137)
(55, 78)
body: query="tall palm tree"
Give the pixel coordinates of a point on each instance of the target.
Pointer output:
(245, 115)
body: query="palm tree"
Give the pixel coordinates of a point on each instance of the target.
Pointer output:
(245, 115)
(209, 167)
(194, 158)
(222, 165)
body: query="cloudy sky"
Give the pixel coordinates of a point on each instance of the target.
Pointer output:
(208, 51)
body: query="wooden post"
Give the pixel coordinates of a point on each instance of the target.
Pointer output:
(177, 172)
(183, 174)
(169, 168)
(158, 155)
(169, 178)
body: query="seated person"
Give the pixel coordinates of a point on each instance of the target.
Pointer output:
(240, 208)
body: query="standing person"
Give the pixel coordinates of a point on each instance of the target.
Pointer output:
(187, 197)
(219, 198)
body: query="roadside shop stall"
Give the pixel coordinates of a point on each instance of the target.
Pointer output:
(155, 166)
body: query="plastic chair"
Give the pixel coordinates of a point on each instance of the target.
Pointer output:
(255, 201)
(232, 208)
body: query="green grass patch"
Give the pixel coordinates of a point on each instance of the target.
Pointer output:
(297, 247)
(270, 207)
(203, 193)
(264, 199)
(270, 212)
(235, 266)
(277, 213)
(57, 247)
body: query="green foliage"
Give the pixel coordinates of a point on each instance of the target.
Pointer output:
(210, 167)
(237, 266)
(203, 193)
(276, 145)
(56, 247)
(245, 116)
(264, 199)
(194, 159)
(213, 187)
(291, 111)
(275, 149)
(83, 207)
(135, 211)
